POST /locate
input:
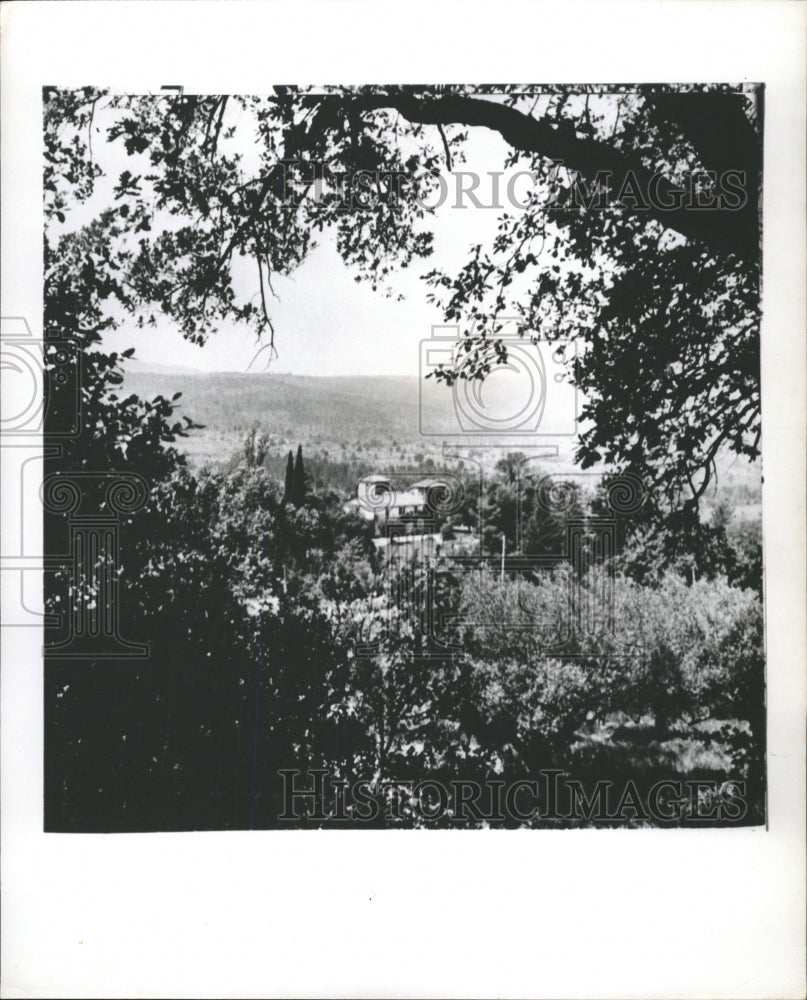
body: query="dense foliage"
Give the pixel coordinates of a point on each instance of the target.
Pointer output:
(278, 638)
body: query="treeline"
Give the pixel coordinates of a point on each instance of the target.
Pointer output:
(278, 642)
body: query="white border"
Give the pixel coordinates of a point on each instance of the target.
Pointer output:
(540, 914)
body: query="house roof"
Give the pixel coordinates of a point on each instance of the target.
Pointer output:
(428, 483)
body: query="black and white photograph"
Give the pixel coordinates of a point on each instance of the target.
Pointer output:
(461, 523)
(397, 455)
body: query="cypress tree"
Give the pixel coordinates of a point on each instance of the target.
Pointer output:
(288, 489)
(298, 490)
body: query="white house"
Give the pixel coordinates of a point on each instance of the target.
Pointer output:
(377, 500)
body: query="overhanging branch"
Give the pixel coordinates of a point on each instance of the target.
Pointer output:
(723, 230)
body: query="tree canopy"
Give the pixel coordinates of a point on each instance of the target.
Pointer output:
(639, 237)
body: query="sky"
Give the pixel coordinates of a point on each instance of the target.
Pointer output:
(326, 323)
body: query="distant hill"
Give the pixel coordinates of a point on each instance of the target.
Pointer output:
(134, 367)
(324, 413)
(387, 417)
(360, 424)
